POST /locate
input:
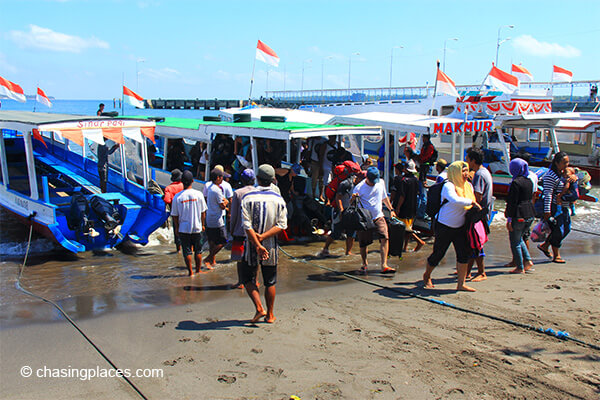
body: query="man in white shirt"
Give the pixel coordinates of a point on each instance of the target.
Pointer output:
(215, 217)
(188, 210)
(371, 195)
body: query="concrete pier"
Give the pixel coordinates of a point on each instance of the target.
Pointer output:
(188, 104)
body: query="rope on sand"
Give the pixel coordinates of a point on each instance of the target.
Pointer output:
(64, 314)
(547, 331)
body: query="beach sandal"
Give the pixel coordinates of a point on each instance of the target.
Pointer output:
(559, 261)
(517, 271)
(388, 270)
(546, 252)
(363, 270)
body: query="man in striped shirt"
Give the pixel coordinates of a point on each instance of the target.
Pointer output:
(264, 215)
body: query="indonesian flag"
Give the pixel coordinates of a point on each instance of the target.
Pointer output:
(266, 54)
(501, 80)
(561, 75)
(521, 72)
(42, 98)
(133, 98)
(12, 90)
(445, 84)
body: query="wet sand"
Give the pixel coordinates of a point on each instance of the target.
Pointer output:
(334, 337)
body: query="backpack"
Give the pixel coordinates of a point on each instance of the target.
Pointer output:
(434, 199)
(340, 173)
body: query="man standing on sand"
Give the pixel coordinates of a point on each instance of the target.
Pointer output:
(371, 195)
(264, 215)
(170, 191)
(189, 217)
(483, 188)
(215, 217)
(103, 153)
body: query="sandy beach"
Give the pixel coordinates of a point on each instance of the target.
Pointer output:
(335, 338)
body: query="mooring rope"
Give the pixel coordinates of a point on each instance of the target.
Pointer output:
(64, 314)
(547, 331)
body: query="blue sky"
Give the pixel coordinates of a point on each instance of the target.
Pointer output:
(201, 49)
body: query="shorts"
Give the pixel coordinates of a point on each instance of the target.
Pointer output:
(191, 241)
(217, 235)
(237, 248)
(336, 227)
(249, 273)
(365, 238)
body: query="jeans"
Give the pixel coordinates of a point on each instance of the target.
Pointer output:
(517, 244)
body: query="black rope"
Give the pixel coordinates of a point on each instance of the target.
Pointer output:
(548, 331)
(64, 314)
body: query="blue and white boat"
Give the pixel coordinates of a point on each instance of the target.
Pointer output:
(45, 161)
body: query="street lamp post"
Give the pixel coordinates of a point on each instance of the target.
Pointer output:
(137, 74)
(350, 67)
(304, 62)
(444, 63)
(499, 42)
(391, 64)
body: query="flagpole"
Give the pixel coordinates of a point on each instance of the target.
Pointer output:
(434, 89)
(251, 82)
(122, 96)
(35, 102)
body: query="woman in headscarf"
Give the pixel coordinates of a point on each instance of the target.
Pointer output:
(519, 214)
(457, 199)
(557, 214)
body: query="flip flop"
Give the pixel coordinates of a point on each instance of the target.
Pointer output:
(546, 252)
(559, 261)
(388, 270)
(363, 270)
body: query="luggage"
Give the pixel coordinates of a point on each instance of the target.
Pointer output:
(396, 231)
(106, 212)
(77, 219)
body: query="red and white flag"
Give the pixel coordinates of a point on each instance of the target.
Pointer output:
(133, 98)
(521, 72)
(501, 80)
(42, 98)
(446, 85)
(561, 75)
(266, 54)
(12, 90)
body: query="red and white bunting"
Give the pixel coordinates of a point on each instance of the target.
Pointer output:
(501, 80)
(42, 98)
(97, 130)
(446, 85)
(265, 54)
(133, 98)
(521, 73)
(12, 90)
(561, 75)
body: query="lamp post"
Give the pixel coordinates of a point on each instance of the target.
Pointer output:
(137, 74)
(303, 63)
(444, 63)
(499, 42)
(350, 67)
(391, 64)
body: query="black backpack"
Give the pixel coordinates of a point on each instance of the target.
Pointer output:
(434, 199)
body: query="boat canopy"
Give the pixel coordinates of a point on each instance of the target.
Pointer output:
(291, 115)
(417, 123)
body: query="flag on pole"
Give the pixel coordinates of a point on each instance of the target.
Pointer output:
(445, 84)
(38, 136)
(12, 90)
(561, 75)
(501, 80)
(266, 54)
(133, 98)
(521, 73)
(42, 98)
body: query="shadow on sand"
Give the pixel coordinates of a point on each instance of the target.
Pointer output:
(224, 325)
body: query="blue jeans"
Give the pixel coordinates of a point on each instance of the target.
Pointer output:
(517, 244)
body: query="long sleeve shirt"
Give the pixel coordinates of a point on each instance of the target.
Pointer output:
(452, 213)
(553, 186)
(518, 202)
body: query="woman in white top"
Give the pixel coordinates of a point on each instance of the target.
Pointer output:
(457, 198)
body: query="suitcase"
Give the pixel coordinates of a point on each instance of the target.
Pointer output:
(396, 231)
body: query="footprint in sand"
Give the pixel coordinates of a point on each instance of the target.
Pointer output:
(247, 331)
(202, 339)
(185, 339)
(273, 371)
(226, 379)
(163, 323)
(256, 351)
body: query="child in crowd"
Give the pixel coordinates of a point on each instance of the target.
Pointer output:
(570, 193)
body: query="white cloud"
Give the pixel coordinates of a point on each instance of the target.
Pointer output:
(161, 74)
(47, 39)
(529, 44)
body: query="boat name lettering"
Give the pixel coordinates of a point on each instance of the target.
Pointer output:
(101, 124)
(462, 127)
(22, 202)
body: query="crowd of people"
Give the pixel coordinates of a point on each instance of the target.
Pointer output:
(273, 204)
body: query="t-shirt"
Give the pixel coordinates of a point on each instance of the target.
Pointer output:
(482, 184)
(189, 205)
(371, 197)
(215, 214)
(442, 175)
(225, 186)
(409, 188)
(263, 209)
(345, 188)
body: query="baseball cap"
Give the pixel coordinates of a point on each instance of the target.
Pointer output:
(176, 175)
(266, 172)
(373, 174)
(247, 176)
(187, 178)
